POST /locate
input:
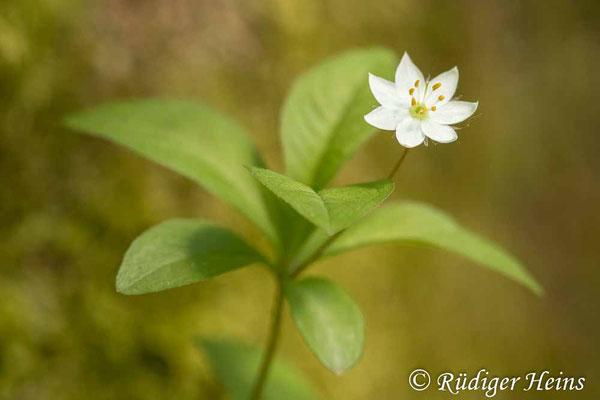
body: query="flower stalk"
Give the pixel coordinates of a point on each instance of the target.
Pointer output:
(398, 164)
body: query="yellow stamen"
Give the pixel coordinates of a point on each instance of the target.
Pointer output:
(436, 86)
(413, 102)
(411, 91)
(433, 108)
(417, 83)
(441, 98)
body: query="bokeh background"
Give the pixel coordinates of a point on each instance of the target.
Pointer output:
(525, 172)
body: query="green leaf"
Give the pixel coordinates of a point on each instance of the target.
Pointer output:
(422, 224)
(179, 252)
(193, 140)
(331, 209)
(348, 204)
(322, 121)
(301, 197)
(236, 366)
(329, 320)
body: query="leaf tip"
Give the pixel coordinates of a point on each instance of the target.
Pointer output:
(342, 367)
(123, 287)
(252, 169)
(537, 288)
(532, 284)
(340, 371)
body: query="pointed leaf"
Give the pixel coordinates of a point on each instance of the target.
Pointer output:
(322, 119)
(301, 197)
(194, 140)
(179, 252)
(329, 320)
(345, 205)
(330, 209)
(236, 366)
(349, 204)
(423, 224)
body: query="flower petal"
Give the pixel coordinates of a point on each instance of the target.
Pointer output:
(385, 118)
(409, 133)
(438, 132)
(407, 74)
(385, 92)
(453, 112)
(442, 87)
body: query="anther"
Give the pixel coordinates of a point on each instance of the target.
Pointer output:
(411, 91)
(441, 98)
(433, 108)
(413, 102)
(436, 86)
(417, 83)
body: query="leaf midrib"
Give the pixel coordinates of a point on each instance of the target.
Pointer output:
(335, 130)
(176, 259)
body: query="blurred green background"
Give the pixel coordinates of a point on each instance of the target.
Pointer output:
(525, 172)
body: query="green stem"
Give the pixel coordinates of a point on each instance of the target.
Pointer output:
(271, 346)
(398, 164)
(316, 255)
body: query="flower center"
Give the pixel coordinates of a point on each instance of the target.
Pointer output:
(418, 111)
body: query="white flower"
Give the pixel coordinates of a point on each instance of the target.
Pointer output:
(416, 108)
